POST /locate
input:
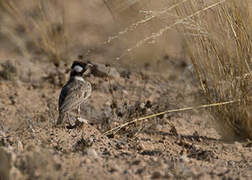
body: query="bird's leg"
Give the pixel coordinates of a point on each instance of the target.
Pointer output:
(68, 117)
(78, 113)
(80, 119)
(60, 118)
(78, 110)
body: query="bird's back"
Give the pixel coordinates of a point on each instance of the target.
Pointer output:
(74, 93)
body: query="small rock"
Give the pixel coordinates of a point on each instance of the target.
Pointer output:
(125, 74)
(82, 120)
(184, 158)
(83, 144)
(92, 153)
(113, 72)
(125, 92)
(101, 70)
(148, 104)
(87, 161)
(20, 146)
(12, 99)
(8, 71)
(108, 103)
(159, 127)
(156, 175)
(238, 145)
(173, 131)
(136, 162)
(115, 168)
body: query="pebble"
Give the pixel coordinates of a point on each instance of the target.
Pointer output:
(92, 153)
(20, 146)
(156, 175)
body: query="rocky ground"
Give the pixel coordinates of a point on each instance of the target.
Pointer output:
(172, 146)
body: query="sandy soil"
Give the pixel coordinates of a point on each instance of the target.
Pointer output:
(175, 146)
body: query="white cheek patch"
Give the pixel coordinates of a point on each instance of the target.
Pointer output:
(78, 68)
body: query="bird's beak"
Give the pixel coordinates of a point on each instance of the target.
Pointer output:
(89, 69)
(90, 65)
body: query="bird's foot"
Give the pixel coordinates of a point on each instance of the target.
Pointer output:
(82, 120)
(78, 123)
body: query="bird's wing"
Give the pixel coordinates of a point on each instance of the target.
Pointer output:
(74, 96)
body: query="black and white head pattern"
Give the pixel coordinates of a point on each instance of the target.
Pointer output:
(78, 68)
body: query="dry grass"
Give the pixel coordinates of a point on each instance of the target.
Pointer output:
(217, 38)
(219, 45)
(35, 28)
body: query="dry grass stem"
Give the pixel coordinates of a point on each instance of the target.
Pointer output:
(116, 129)
(155, 35)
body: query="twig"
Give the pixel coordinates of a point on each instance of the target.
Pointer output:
(170, 111)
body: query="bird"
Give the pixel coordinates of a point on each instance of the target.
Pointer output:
(75, 92)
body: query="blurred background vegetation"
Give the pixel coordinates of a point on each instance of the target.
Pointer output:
(101, 30)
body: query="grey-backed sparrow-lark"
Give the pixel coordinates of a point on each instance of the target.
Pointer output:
(75, 91)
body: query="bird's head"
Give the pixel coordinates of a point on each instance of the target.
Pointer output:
(80, 68)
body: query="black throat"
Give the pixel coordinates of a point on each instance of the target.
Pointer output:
(74, 74)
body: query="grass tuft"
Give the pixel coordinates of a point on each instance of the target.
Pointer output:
(219, 46)
(36, 29)
(217, 40)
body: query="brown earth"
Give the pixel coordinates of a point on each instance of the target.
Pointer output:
(175, 146)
